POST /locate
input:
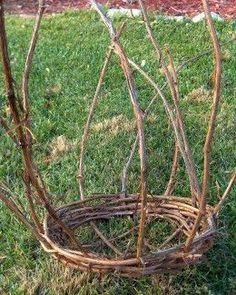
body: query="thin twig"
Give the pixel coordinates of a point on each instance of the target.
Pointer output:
(5, 189)
(13, 207)
(26, 108)
(227, 191)
(121, 236)
(218, 190)
(8, 131)
(171, 114)
(86, 136)
(216, 101)
(28, 194)
(172, 180)
(202, 54)
(28, 64)
(171, 237)
(105, 240)
(126, 167)
(132, 152)
(91, 114)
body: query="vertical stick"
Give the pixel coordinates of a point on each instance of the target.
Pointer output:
(212, 122)
(8, 76)
(28, 64)
(216, 101)
(133, 149)
(126, 167)
(172, 180)
(28, 194)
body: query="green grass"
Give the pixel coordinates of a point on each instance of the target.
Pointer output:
(66, 67)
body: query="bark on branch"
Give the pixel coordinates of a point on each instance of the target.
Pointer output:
(139, 120)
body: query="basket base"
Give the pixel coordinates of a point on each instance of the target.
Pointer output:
(165, 258)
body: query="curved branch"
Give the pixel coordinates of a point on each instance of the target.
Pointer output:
(216, 101)
(34, 176)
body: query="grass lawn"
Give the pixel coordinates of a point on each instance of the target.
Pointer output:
(66, 67)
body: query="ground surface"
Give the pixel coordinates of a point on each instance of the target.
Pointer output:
(226, 8)
(63, 80)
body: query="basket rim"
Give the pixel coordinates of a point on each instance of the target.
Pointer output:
(95, 257)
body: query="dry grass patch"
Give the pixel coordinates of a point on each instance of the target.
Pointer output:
(114, 125)
(58, 147)
(63, 281)
(199, 95)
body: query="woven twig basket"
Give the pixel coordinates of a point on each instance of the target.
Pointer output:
(176, 210)
(193, 222)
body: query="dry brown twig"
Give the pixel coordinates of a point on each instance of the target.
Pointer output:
(172, 180)
(91, 114)
(132, 152)
(7, 129)
(212, 121)
(26, 110)
(171, 113)
(226, 193)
